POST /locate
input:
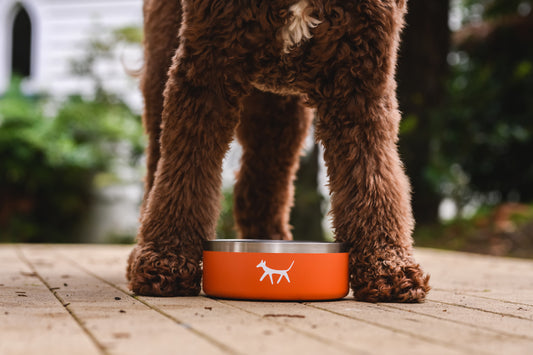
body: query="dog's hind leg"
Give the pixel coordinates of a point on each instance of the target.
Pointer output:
(161, 26)
(271, 131)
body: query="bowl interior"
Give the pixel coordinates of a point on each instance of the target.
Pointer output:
(273, 246)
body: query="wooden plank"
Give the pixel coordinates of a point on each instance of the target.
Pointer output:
(471, 328)
(482, 276)
(248, 333)
(356, 335)
(455, 263)
(245, 332)
(32, 320)
(502, 308)
(453, 334)
(120, 323)
(499, 324)
(500, 278)
(479, 305)
(509, 295)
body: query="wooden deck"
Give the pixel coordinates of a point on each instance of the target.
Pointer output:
(57, 299)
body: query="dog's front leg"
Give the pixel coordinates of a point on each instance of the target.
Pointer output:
(199, 117)
(358, 126)
(371, 203)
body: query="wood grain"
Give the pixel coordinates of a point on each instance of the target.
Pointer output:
(65, 299)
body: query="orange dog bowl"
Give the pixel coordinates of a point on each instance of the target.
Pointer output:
(275, 270)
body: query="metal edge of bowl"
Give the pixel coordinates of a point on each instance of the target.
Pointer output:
(273, 246)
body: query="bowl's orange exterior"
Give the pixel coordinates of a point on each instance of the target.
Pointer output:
(240, 275)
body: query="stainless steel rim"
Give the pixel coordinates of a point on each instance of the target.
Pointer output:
(272, 246)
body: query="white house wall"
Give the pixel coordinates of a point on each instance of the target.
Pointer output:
(61, 30)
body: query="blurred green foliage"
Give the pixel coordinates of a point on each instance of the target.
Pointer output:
(480, 136)
(48, 162)
(128, 34)
(52, 152)
(485, 130)
(226, 224)
(505, 230)
(497, 8)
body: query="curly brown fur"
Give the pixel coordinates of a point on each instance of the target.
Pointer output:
(271, 131)
(344, 67)
(164, 271)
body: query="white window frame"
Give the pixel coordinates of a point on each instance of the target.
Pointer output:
(8, 11)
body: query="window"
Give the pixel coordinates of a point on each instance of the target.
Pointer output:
(21, 44)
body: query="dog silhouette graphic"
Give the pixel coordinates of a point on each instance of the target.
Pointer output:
(268, 271)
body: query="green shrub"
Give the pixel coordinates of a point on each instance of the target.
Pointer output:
(48, 161)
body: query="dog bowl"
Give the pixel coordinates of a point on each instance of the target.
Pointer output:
(275, 270)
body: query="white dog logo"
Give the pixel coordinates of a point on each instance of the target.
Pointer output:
(268, 271)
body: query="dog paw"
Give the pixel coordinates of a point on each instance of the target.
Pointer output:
(156, 271)
(392, 280)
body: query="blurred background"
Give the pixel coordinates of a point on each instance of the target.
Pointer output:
(71, 140)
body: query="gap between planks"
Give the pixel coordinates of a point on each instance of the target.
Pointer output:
(32, 319)
(370, 347)
(165, 314)
(327, 346)
(50, 256)
(91, 336)
(470, 325)
(450, 294)
(497, 299)
(415, 335)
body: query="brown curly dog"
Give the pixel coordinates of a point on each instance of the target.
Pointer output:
(255, 69)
